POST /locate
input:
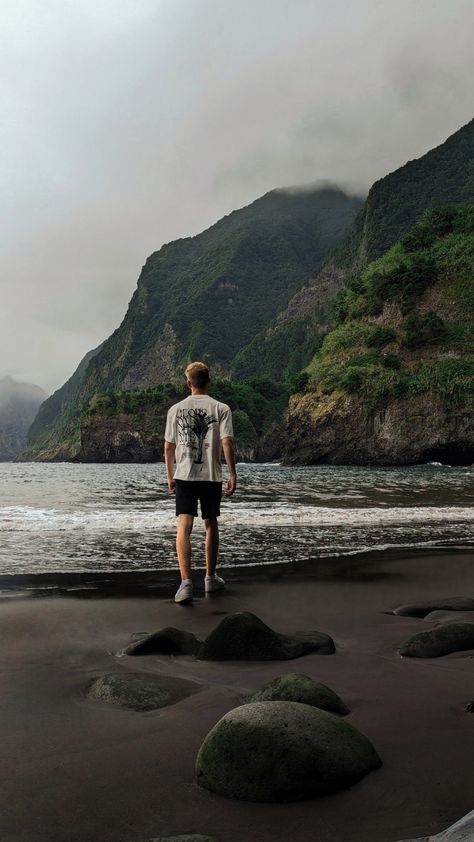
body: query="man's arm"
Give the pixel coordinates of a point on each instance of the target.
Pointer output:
(228, 448)
(170, 448)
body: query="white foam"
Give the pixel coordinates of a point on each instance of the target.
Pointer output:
(35, 520)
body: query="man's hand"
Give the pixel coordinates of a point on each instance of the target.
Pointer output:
(169, 449)
(231, 484)
(228, 448)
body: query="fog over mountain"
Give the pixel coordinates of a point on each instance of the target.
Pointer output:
(127, 125)
(19, 403)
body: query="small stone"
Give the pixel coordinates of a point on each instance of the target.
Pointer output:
(167, 641)
(296, 687)
(443, 639)
(138, 691)
(420, 609)
(282, 751)
(244, 637)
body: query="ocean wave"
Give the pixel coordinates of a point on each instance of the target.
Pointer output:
(34, 520)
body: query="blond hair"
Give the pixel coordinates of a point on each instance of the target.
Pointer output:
(198, 374)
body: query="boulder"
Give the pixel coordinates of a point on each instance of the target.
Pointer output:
(139, 691)
(461, 831)
(420, 609)
(282, 751)
(244, 637)
(167, 641)
(296, 687)
(443, 639)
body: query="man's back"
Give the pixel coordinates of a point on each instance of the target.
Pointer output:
(196, 425)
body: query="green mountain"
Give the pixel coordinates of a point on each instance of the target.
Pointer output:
(393, 382)
(443, 175)
(202, 297)
(19, 404)
(55, 432)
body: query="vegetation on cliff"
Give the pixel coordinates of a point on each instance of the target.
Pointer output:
(403, 344)
(394, 203)
(405, 322)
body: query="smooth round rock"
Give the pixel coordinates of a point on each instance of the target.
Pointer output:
(442, 640)
(139, 691)
(167, 641)
(296, 687)
(420, 609)
(245, 637)
(282, 751)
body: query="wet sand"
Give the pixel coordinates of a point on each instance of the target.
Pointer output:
(73, 770)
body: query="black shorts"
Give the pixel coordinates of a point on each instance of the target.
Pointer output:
(209, 494)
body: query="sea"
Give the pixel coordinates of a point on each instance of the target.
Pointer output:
(98, 518)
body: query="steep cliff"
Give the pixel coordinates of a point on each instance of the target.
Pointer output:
(394, 203)
(393, 382)
(202, 297)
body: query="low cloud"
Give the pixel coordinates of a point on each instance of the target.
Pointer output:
(127, 125)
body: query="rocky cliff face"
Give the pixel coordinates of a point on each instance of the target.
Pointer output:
(127, 439)
(339, 429)
(118, 440)
(19, 404)
(129, 426)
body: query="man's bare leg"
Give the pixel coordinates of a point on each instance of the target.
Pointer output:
(212, 545)
(183, 544)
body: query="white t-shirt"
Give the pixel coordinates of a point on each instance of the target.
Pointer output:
(197, 425)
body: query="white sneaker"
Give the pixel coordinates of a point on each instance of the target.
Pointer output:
(213, 583)
(184, 592)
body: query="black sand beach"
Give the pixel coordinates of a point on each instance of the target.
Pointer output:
(73, 769)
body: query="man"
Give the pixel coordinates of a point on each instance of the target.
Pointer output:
(198, 428)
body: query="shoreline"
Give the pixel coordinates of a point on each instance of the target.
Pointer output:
(152, 584)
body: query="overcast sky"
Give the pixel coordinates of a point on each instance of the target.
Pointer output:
(130, 123)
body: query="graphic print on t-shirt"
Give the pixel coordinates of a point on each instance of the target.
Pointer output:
(193, 427)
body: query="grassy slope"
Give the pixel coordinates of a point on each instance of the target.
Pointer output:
(406, 320)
